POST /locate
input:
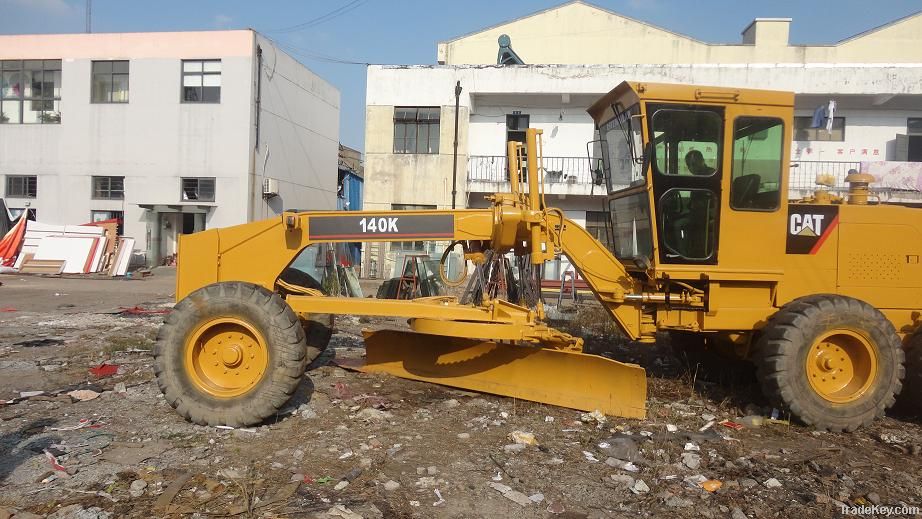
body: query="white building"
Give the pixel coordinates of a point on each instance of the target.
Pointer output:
(576, 52)
(172, 132)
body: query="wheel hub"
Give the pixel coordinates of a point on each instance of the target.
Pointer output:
(226, 357)
(841, 365)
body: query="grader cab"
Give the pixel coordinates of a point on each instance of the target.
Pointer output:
(824, 295)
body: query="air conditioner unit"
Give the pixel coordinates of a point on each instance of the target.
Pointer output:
(270, 187)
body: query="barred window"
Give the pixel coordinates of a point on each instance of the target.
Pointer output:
(109, 188)
(198, 188)
(21, 186)
(416, 130)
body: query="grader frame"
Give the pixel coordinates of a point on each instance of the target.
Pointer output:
(823, 301)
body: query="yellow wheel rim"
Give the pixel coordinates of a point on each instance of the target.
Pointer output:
(842, 366)
(226, 357)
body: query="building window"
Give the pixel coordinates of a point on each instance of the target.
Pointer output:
(110, 82)
(914, 126)
(804, 132)
(198, 189)
(21, 186)
(109, 188)
(416, 130)
(102, 216)
(15, 213)
(30, 91)
(597, 223)
(410, 246)
(201, 81)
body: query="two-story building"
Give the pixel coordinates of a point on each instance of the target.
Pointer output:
(576, 52)
(171, 132)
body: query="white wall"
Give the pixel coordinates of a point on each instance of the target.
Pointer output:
(566, 129)
(869, 135)
(152, 141)
(299, 136)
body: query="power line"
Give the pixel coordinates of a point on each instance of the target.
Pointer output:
(335, 13)
(297, 51)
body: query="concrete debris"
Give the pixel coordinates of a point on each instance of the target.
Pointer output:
(691, 460)
(83, 395)
(450, 404)
(772, 483)
(593, 417)
(623, 481)
(536, 498)
(525, 438)
(677, 502)
(341, 485)
(640, 487)
(738, 514)
(556, 508)
(370, 414)
(590, 457)
(694, 481)
(464, 436)
(391, 485)
(692, 447)
(512, 495)
(671, 428)
(513, 448)
(137, 488)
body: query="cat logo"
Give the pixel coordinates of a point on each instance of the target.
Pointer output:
(809, 226)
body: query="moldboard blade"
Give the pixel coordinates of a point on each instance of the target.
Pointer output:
(557, 377)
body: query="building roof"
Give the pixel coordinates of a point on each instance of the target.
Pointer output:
(579, 32)
(566, 4)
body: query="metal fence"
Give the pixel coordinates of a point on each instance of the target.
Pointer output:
(557, 170)
(804, 172)
(575, 170)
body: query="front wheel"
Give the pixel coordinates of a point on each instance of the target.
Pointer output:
(230, 353)
(834, 362)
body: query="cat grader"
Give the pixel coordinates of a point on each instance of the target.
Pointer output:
(823, 294)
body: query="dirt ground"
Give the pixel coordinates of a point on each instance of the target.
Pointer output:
(355, 445)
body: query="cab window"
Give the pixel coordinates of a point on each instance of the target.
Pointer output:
(758, 144)
(686, 142)
(688, 224)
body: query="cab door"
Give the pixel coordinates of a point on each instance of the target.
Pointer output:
(687, 169)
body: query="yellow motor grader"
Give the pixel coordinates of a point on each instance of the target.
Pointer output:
(824, 294)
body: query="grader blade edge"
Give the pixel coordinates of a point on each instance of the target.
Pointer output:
(557, 377)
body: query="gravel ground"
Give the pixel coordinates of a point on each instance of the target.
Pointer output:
(357, 445)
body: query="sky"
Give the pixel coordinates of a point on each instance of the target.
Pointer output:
(407, 31)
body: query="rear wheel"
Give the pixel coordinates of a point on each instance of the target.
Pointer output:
(231, 353)
(834, 362)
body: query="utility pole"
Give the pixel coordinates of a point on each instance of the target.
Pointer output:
(454, 168)
(89, 16)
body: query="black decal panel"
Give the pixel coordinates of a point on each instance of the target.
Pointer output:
(370, 227)
(808, 227)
